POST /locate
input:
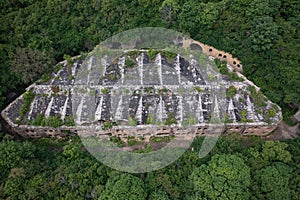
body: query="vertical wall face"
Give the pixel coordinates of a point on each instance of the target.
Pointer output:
(146, 131)
(211, 51)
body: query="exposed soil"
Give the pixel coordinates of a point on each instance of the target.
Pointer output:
(284, 132)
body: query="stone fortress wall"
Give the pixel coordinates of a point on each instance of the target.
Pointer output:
(211, 51)
(260, 129)
(247, 129)
(28, 131)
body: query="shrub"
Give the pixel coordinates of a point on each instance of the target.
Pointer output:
(129, 63)
(271, 113)
(132, 142)
(235, 77)
(150, 119)
(117, 141)
(132, 121)
(107, 125)
(54, 121)
(222, 66)
(27, 100)
(68, 58)
(69, 121)
(171, 119)
(46, 77)
(104, 91)
(198, 89)
(244, 116)
(152, 53)
(231, 91)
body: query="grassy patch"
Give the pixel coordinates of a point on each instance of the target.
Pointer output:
(27, 100)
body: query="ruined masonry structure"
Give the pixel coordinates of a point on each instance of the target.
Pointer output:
(144, 93)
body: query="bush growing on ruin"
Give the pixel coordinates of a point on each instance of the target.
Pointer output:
(231, 91)
(132, 121)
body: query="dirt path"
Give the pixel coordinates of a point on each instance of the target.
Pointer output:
(284, 132)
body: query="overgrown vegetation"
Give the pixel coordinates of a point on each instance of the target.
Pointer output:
(170, 119)
(49, 168)
(231, 91)
(27, 100)
(132, 121)
(51, 121)
(129, 63)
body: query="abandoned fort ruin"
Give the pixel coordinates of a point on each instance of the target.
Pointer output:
(144, 92)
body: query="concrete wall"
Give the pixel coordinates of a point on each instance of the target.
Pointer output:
(143, 131)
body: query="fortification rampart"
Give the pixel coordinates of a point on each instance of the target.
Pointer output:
(143, 131)
(211, 51)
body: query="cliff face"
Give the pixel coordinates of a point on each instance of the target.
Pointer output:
(159, 90)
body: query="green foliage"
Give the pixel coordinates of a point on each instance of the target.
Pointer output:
(270, 151)
(152, 53)
(231, 91)
(222, 66)
(159, 195)
(71, 151)
(272, 182)
(51, 168)
(258, 97)
(69, 59)
(28, 97)
(198, 89)
(244, 116)
(225, 176)
(131, 141)
(190, 121)
(46, 77)
(195, 16)
(233, 76)
(129, 63)
(117, 141)
(150, 119)
(170, 119)
(162, 139)
(104, 91)
(264, 33)
(30, 63)
(125, 186)
(107, 125)
(69, 121)
(168, 54)
(148, 149)
(132, 121)
(271, 113)
(51, 121)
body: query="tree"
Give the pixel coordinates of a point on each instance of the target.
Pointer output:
(125, 186)
(169, 10)
(268, 152)
(30, 63)
(264, 33)
(158, 195)
(272, 182)
(195, 16)
(225, 177)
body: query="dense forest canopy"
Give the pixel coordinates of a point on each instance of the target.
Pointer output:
(56, 169)
(263, 34)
